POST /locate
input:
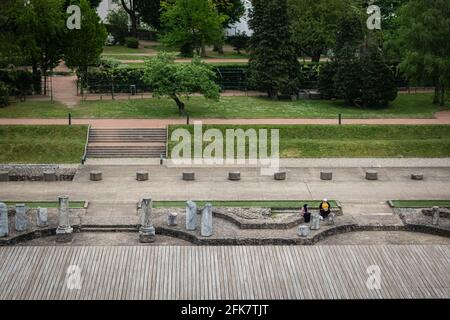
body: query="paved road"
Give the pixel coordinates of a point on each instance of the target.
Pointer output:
(442, 118)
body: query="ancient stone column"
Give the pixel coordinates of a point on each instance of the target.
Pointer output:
(42, 217)
(21, 220)
(371, 175)
(331, 217)
(4, 222)
(315, 221)
(147, 231)
(188, 176)
(280, 176)
(191, 216)
(326, 175)
(142, 176)
(172, 219)
(436, 216)
(64, 232)
(207, 221)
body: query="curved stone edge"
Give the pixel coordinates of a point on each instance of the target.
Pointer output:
(196, 240)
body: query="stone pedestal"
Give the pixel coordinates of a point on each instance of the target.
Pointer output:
(280, 176)
(50, 175)
(64, 232)
(4, 176)
(147, 231)
(21, 220)
(371, 175)
(331, 218)
(303, 231)
(42, 217)
(207, 221)
(315, 221)
(142, 176)
(326, 175)
(172, 219)
(234, 176)
(4, 221)
(417, 176)
(96, 176)
(436, 216)
(191, 216)
(188, 176)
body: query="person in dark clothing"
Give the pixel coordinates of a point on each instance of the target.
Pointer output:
(306, 214)
(325, 208)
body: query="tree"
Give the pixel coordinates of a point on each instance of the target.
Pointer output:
(93, 3)
(232, 9)
(424, 36)
(273, 62)
(83, 47)
(239, 41)
(40, 30)
(178, 80)
(118, 25)
(191, 25)
(149, 11)
(313, 23)
(130, 7)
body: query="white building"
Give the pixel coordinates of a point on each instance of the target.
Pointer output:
(242, 26)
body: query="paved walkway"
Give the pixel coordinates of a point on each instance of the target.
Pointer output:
(442, 118)
(222, 273)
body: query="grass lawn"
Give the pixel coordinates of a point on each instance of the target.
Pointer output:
(405, 106)
(352, 141)
(45, 204)
(420, 203)
(284, 204)
(42, 144)
(120, 50)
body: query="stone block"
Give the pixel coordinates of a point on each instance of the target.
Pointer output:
(50, 175)
(326, 175)
(188, 176)
(142, 176)
(4, 176)
(371, 175)
(417, 176)
(234, 176)
(279, 176)
(96, 176)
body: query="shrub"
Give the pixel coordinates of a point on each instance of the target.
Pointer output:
(326, 80)
(109, 63)
(20, 82)
(4, 95)
(239, 41)
(132, 43)
(118, 25)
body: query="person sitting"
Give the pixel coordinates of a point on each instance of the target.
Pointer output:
(306, 214)
(325, 209)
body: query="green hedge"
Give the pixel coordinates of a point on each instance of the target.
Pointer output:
(20, 82)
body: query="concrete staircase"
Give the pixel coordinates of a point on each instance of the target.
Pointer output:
(127, 143)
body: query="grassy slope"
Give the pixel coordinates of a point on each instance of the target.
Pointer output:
(314, 141)
(42, 144)
(406, 106)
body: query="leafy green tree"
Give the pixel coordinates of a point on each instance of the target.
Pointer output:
(232, 9)
(40, 29)
(83, 47)
(149, 11)
(314, 24)
(118, 24)
(178, 80)
(93, 3)
(273, 61)
(425, 38)
(191, 25)
(239, 41)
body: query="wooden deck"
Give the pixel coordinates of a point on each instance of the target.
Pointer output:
(266, 272)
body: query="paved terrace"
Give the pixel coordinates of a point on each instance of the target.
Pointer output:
(217, 273)
(118, 193)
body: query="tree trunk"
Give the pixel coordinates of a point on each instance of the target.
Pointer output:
(436, 94)
(36, 79)
(179, 103)
(203, 51)
(316, 56)
(442, 96)
(132, 13)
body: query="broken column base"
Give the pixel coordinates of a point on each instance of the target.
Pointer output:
(147, 235)
(64, 235)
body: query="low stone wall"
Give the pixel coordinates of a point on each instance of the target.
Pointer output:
(443, 212)
(25, 172)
